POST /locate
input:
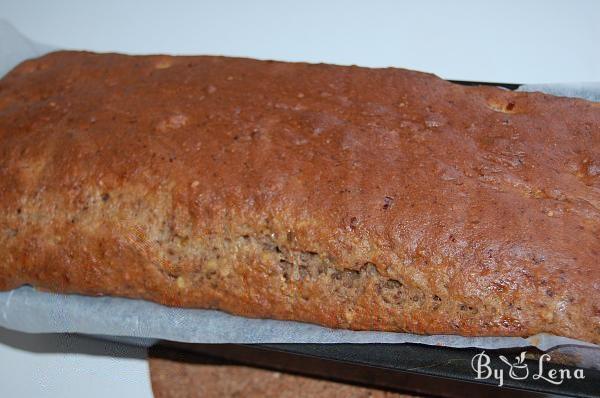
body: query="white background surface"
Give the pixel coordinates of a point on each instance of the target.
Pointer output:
(509, 41)
(60, 365)
(502, 41)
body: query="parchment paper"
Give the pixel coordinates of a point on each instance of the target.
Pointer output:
(28, 310)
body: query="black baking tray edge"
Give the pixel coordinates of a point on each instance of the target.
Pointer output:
(510, 86)
(415, 368)
(421, 369)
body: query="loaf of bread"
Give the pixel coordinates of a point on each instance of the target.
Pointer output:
(369, 199)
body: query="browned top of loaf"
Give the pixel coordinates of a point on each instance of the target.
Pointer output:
(474, 194)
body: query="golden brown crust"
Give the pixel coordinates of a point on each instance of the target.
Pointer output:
(380, 199)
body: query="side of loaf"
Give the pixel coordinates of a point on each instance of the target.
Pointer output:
(370, 199)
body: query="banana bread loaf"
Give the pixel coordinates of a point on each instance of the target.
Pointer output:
(370, 199)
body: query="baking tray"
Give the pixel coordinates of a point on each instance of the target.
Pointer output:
(510, 86)
(420, 369)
